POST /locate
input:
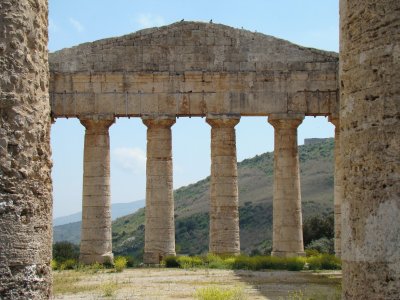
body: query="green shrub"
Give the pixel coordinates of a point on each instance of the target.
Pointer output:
(330, 262)
(187, 262)
(63, 251)
(109, 289)
(229, 261)
(53, 264)
(216, 293)
(270, 262)
(256, 263)
(314, 262)
(214, 261)
(96, 267)
(68, 264)
(322, 245)
(311, 252)
(171, 262)
(130, 261)
(184, 262)
(108, 263)
(317, 227)
(120, 263)
(243, 263)
(295, 263)
(323, 262)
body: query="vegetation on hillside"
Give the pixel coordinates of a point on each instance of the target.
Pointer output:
(255, 211)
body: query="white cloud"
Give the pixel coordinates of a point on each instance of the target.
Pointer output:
(77, 25)
(131, 159)
(149, 20)
(52, 26)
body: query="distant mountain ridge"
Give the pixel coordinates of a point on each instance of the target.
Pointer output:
(117, 210)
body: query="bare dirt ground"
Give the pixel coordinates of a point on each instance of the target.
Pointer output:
(149, 283)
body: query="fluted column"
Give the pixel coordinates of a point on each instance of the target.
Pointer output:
(369, 76)
(287, 217)
(26, 204)
(338, 187)
(159, 224)
(224, 212)
(96, 240)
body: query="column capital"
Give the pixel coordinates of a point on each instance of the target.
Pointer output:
(334, 119)
(222, 121)
(97, 123)
(159, 121)
(285, 120)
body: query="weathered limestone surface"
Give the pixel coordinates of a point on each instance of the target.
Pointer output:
(370, 145)
(25, 164)
(193, 69)
(287, 235)
(159, 223)
(96, 238)
(338, 186)
(224, 200)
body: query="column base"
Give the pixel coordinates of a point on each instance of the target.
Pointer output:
(287, 254)
(96, 258)
(155, 258)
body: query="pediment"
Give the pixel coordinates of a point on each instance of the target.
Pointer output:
(187, 46)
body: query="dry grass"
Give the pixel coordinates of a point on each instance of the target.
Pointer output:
(71, 282)
(218, 293)
(168, 284)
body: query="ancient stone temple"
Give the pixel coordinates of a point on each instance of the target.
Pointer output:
(192, 69)
(25, 165)
(223, 74)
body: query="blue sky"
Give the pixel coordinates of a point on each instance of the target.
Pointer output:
(308, 23)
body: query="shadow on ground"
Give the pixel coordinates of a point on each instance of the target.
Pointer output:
(282, 285)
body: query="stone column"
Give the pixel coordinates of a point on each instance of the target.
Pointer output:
(96, 240)
(159, 224)
(369, 75)
(287, 218)
(25, 154)
(224, 201)
(338, 188)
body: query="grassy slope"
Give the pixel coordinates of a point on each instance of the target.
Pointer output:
(255, 197)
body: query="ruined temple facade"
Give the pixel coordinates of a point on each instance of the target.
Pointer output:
(198, 69)
(192, 69)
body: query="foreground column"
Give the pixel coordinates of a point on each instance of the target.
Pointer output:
(25, 164)
(224, 211)
(96, 239)
(370, 140)
(287, 234)
(159, 224)
(338, 188)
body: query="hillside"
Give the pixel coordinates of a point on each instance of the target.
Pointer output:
(68, 228)
(117, 210)
(255, 198)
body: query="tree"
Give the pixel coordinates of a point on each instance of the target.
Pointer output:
(317, 227)
(65, 250)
